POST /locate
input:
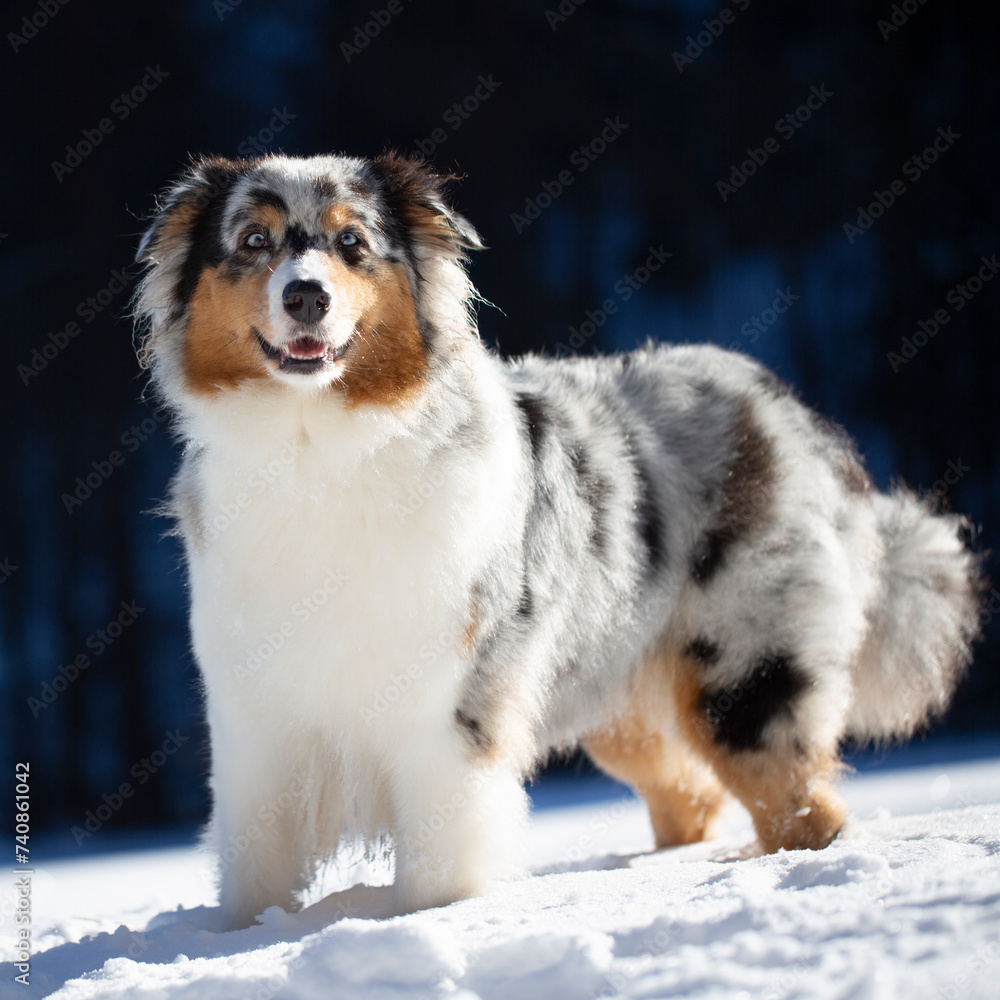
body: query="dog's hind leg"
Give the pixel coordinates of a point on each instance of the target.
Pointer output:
(644, 749)
(757, 734)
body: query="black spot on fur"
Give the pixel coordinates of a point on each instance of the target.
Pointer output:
(206, 249)
(296, 240)
(709, 554)
(473, 729)
(326, 188)
(740, 713)
(526, 606)
(703, 650)
(747, 493)
(264, 196)
(648, 522)
(537, 417)
(594, 491)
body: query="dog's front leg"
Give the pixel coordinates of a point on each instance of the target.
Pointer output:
(458, 819)
(256, 830)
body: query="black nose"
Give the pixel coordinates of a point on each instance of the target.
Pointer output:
(306, 301)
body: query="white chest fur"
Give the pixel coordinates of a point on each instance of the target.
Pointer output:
(332, 558)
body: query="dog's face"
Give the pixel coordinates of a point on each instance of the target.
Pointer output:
(304, 270)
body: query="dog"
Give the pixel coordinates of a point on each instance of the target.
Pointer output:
(416, 569)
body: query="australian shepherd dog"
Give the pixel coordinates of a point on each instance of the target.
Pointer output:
(417, 568)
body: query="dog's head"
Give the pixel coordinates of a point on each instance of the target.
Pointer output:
(321, 272)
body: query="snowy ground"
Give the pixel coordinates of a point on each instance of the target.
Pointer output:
(906, 905)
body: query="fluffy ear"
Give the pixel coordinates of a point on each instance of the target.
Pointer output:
(416, 194)
(181, 232)
(199, 190)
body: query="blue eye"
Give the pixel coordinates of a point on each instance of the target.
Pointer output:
(256, 241)
(349, 240)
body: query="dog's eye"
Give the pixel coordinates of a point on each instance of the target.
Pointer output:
(349, 240)
(255, 241)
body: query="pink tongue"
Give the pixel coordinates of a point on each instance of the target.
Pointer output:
(306, 347)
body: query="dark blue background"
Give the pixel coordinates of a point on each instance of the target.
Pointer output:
(229, 75)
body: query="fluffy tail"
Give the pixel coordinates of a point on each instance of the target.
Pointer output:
(923, 622)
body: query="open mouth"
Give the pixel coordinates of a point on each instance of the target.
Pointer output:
(305, 354)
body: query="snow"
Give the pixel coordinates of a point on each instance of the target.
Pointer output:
(905, 904)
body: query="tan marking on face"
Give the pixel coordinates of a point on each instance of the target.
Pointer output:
(220, 350)
(267, 217)
(787, 790)
(387, 363)
(338, 217)
(682, 792)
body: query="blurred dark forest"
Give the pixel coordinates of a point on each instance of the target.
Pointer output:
(888, 325)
